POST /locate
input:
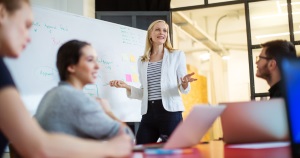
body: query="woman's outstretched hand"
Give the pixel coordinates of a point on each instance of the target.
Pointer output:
(119, 84)
(186, 79)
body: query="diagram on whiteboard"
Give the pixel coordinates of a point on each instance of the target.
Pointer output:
(119, 48)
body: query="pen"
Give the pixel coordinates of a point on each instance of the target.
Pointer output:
(167, 151)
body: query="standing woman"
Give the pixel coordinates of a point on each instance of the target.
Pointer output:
(162, 71)
(16, 124)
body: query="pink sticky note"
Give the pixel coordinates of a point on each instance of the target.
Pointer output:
(128, 78)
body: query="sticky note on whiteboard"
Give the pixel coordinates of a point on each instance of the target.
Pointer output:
(128, 78)
(135, 78)
(132, 58)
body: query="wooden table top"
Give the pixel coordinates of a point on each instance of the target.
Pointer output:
(217, 149)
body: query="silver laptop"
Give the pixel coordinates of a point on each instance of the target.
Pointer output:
(255, 121)
(190, 131)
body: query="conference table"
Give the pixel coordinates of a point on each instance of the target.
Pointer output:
(217, 149)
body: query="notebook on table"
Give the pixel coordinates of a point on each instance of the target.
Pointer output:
(290, 69)
(190, 131)
(254, 121)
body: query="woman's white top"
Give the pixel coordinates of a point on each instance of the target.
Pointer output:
(173, 68)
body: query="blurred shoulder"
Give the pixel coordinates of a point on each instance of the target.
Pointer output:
(64, 90)
(176, 52)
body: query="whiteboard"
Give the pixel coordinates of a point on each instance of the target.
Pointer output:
(118, 49)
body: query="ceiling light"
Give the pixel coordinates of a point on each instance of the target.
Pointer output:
(268, 16)
(202, 55)
(272, 35)
(275, 34)
(293, 3)
(273, 15)
(279, 11)
(226, 57)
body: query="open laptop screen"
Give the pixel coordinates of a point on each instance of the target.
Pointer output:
(290, 69)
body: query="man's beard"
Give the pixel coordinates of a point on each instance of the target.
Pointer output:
(264, 73)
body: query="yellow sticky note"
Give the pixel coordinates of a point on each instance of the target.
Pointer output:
(135, 78)
(132, 58)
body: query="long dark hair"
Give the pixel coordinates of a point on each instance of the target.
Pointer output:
(13, 5)
(68, 54)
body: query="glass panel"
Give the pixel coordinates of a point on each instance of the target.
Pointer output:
(269, 21)
(185, 3)
(296, 18)
(261, 85)
(238, 76)
(209, 37)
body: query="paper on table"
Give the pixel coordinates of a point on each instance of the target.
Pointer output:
(137, 155)
(260, 145)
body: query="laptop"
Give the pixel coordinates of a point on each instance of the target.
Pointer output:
(190, 131)
(254, 121)
(290, 69)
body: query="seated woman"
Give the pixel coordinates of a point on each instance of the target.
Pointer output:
(66, 108)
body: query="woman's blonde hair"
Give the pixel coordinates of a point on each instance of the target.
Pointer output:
(148, 47)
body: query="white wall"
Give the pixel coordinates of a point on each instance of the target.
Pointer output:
(89, 8)
(238, 76)
(80, 7)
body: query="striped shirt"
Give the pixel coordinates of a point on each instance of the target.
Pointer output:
(153, 78)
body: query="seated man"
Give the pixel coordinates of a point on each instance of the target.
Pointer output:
(268, 63)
